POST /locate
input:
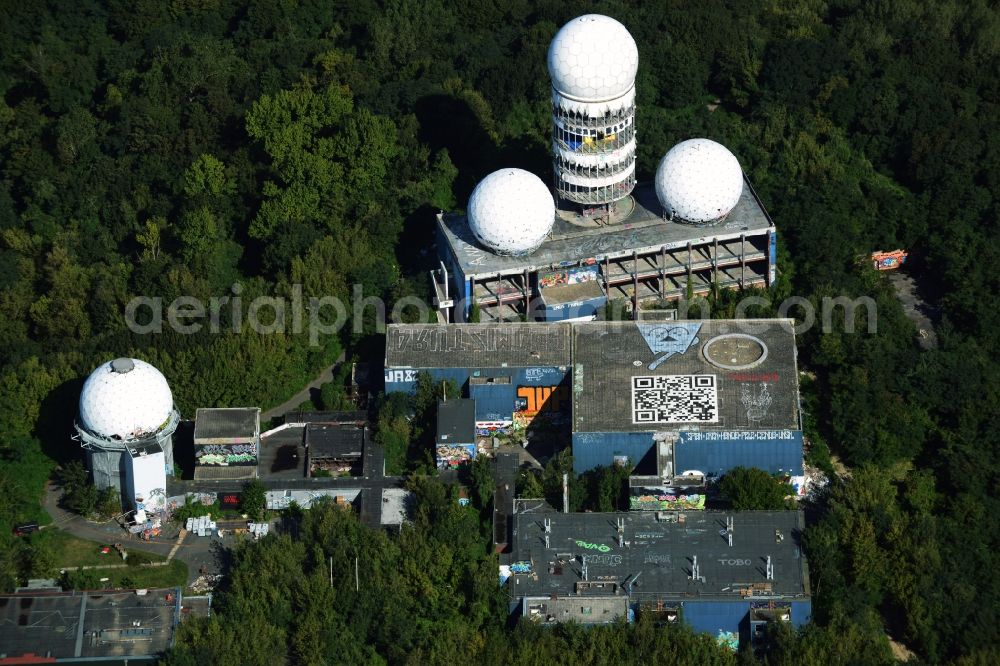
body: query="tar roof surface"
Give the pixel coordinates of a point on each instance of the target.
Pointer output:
(644, 228)
(102, 627)
(519, 345)
(661, 552)
(750, 394)
(456, 421)
(330, 441)
(226, 423)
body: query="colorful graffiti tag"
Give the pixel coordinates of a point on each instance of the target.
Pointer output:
(568, 276)
(754, 376)
(226, 454)
(599, 547)
(540, 402)
(493, 428)
(521, 567)
(453, 456)
(691, 502)
(610, 560)
(668, 339)
(532, 400)
(728, 639)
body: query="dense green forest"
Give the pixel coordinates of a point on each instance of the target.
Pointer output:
(217, 148)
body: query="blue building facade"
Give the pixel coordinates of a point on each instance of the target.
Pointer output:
(687, 398)
(735, 622)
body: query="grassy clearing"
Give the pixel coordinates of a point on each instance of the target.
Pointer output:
(172, 575)
(69, 551)
(131, 577)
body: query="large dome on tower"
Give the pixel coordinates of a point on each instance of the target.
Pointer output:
(511, 211)
(125, 399)
(699, 180)
(593, 58)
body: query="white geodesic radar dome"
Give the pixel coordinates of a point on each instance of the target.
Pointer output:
(511, 211)
(125, 399)
(699, 180)
(593, 58)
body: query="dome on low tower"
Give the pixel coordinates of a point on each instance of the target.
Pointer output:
(125, 399)
(699, 180)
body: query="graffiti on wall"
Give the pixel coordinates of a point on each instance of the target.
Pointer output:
(741, 435)
(493, 428)
(691, 502)
(728, 639)
(226, 454)
(400, 376)
(535, 399)
(154, 500)
(568, 276)
(540, 401)
(452, 456)
(540, 374)
(176, 501)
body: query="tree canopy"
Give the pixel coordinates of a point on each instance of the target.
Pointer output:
(233, 149)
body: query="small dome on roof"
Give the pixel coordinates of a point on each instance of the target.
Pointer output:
(699, 180)
(511, 211)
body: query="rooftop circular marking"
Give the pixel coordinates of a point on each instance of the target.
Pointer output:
(735, 351)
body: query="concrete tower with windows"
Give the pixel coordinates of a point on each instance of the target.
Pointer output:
(592, 63)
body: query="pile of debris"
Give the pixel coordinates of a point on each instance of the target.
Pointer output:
(202, 525)
(205, 583)
(258, 530)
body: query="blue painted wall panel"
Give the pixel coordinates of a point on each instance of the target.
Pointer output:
(779, 453)
(715, 616)
(574, 310)
(772, 254)
(801, 612)
(494, 402)
(591, 449)
(406, 379)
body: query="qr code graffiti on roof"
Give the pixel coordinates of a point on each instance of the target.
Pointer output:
(675, 399)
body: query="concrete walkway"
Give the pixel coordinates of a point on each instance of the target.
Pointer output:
(305, 394)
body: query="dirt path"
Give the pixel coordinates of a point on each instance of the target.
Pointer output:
(916, 310)
(303, 395)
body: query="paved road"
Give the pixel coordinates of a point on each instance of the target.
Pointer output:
(107, 532)
(193, 551)
(305, 394)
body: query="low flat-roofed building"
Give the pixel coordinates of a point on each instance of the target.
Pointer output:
(675, 564)
(515, 372)
(463, 346)
(334, 449)
(145, 487)
(93, 625)
(638, 254)
(455, 442)
(302, 418)
(584, 610)
(689, 398)
(226, 443)
(682, 401)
